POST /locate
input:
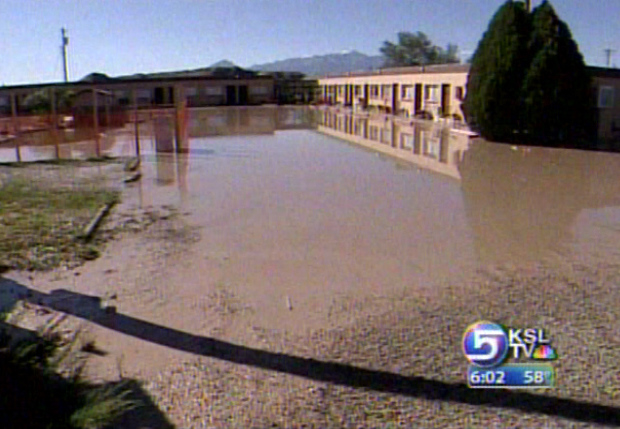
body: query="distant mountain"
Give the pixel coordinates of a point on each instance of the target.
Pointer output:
(320, 65)
(223, 64)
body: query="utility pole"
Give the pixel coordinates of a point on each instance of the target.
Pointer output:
(608, 53)
(65, 59)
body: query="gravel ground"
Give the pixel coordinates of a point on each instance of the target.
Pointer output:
(418, 345)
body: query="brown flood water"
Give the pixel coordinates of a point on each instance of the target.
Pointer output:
(303, 215)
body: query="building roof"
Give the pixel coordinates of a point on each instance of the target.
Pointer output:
(436, 68)
(604, 72)
(88, 81)
(451, 68)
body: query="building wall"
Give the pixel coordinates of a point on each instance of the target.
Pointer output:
(200, 92)
(376, 89)
(395, 92)
(607, 91)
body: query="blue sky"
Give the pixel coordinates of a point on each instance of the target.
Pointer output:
(130, 36)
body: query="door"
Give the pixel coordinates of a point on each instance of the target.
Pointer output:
(231, 95)
(445, 100)
(417, 104)
(159, 95)
(395, 99)
(243, 95)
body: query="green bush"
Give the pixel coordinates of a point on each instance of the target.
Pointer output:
(34, 394)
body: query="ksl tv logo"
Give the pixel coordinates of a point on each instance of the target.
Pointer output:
(487, 344)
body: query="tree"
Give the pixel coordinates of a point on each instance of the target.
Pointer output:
(528, 81)
(492, 104)
(556, 87)
(39, 102)
(416, 50)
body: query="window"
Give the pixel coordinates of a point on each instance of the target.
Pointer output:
(386, 136)
(358, 90)
(214, 90)
(191, 91)
(374, 91)
(460, 93)
(406, 141)
(407, 92)
(385, 91)
(259, 90)
(374, 133)
(122, 96)
(606, 97)
(143, 93)
(431, 93)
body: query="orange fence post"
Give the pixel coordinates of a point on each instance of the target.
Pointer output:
(135, 120)
(180, 114)
(96, 122)
(15, 121)
(54, 121)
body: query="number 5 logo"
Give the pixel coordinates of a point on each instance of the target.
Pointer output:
(485, 337)
(485, 344)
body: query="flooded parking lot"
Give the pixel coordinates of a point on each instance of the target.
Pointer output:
(303, 209)
(312, 212)
(300, 221)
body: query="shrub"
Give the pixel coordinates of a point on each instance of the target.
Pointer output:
(34, 394)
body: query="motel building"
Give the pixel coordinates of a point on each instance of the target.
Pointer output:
(100, 100)
(208, 89)
(437, 92)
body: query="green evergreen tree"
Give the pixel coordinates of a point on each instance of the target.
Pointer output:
(557, 87)
(492, 105)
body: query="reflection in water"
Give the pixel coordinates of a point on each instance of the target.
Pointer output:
(67, 144)
(521, 204)
(426, 145)
(501, 204)
(204, 122)
(163, 129)
(299, 214)
(258, 120)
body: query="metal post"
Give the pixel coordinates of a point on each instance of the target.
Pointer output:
(65, 42)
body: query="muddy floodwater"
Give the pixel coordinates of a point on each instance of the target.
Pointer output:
(299, 218)
(335, 205)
